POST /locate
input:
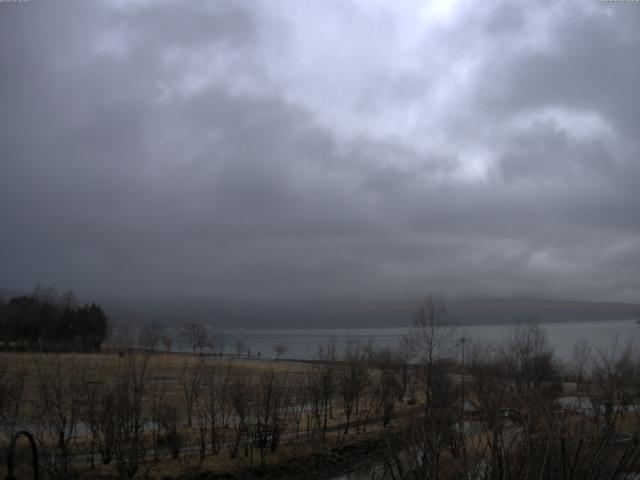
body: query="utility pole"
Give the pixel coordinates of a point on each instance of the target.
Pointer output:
(462, 422)
(462, 342)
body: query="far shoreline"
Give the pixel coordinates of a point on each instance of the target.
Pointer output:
(409, 326)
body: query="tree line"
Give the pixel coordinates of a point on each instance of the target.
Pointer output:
(46, 320)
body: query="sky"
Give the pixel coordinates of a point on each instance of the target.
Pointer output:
(284, 150)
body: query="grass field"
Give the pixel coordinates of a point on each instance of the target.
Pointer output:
(53, 395)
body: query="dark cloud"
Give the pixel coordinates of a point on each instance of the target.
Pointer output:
(254, 151)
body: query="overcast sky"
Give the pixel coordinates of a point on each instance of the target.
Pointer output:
(274, 150)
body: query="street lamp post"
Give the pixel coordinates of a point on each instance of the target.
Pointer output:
(462, 430)
(462, 342)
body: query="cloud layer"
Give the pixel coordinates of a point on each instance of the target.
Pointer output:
(290, 150)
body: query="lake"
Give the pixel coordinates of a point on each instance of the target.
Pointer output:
(304, 343)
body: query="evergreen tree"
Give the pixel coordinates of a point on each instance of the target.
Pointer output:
(44, 318)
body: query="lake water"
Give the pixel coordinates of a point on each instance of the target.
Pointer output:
(304, 343)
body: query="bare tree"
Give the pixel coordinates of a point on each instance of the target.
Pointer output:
(241, 408)
(98, 413)
(190, 378)
(156, 399)
(216, 342)
(431, 341)
(432, 338)
(300, 396)
(202, 423)
(195, 336)
(279, 349)
(616, 374)
(130, 386)
(353, 376)
(212, 400)
(521, 432)
(315, 387)
(169, 420)
(403, 355)
(388, 384)
(56, 407)
(490, 389)
(226, 392)
(12, 388)
(531, 360)
(534, 372)
(270, 413)
(327, 378)
(150, 336)
(581, 359)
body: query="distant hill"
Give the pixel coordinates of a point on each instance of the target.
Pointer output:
(496, 310)
(352, 314)
(346, 314)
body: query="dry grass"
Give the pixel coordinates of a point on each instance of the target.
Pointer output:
(163, 377)
(17, 361)
(163, 367)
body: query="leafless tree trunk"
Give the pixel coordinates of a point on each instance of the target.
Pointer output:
(169, 422)
(616, 375)
(56, 407)
(194, 335)
(211, 402)
(327, 357)
(150, 336)
(353, 376)
(241, 409)
(431, 338)
(11, 399)
(130, 389)
(98, 412)
(388, 384)
(300, 396)
(581, 356)
(190, 378)
(279, 350)
(316, 393)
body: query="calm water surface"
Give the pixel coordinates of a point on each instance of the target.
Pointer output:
(304, 343)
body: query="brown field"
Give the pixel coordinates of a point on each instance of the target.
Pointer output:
(165, 375)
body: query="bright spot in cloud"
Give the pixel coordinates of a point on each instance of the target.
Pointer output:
(438, 10)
